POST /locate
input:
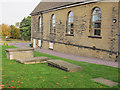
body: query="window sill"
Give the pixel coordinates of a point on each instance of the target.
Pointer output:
(50, 49)
(69, 34)
(95, 37)
(53, 33)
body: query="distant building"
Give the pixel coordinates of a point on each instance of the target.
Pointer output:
(86, 28)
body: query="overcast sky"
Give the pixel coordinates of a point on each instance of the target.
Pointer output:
(12, 11)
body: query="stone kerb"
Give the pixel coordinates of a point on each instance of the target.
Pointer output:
(18, 53)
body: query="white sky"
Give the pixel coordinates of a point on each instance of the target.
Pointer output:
(12, 11)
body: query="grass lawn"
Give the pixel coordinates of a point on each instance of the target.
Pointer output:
(42, 76)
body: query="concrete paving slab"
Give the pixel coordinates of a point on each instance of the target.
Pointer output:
(105, 81)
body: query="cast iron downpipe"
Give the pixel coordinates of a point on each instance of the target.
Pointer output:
(118, 32)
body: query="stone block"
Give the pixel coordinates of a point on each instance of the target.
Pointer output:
(68, 67)
(33, 60)
(18, 53)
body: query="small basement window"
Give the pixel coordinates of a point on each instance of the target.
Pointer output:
(51, 45)
(39, 43)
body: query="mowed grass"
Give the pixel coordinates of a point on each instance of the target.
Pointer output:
(42, 76)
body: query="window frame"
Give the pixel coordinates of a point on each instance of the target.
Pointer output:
(53, 23)
(40, 24)
(94, 22)
(70, 28)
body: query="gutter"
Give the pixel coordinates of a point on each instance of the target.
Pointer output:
(118, 33)
(66, 6)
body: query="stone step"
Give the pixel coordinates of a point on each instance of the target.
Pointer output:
(33, 60)
(68, 67)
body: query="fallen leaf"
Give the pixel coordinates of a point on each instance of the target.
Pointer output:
(2, 85)
(13, 81)
(12, 87)
(21, 83)
(40, 76)
(65, 77)
(57, 83)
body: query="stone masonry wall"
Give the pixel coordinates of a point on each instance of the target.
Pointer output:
(80, 43)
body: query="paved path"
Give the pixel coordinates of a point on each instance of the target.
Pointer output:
(72, 57)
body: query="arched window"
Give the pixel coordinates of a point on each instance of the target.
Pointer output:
(40, 23)
(53, 29)
(96, 22)
(70, 21)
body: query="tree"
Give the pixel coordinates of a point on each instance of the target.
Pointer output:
(14, 32)
(17, 24)
(25, 28)
(10, 31)
(5, 30)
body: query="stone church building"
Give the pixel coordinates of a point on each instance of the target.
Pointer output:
(88, 28)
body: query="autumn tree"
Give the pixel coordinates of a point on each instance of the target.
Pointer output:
(15, 32)
(10, 31)
(5, 30)
(25, 28)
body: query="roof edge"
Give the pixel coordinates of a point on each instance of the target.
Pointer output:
(64, 6)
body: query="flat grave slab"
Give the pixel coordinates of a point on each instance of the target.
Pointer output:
(68, 67)
(33, 60)
(105, 81)
(17, 53)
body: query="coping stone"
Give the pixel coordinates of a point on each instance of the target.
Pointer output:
(18, 49)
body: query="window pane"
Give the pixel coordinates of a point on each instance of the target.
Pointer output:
(53, 17)
(40, 20)
(97, 32)
(71, 14)
(96, 25)
(97, 11)
(71, 25)
(92, 32)
(53, 21)
(96, 18)
(40, 25)
(70, 20)
(53, 24)
(68, 30)
(71, 32)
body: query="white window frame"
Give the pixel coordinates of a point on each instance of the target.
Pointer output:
(34, 43)
(50, 45)
(39, 43)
